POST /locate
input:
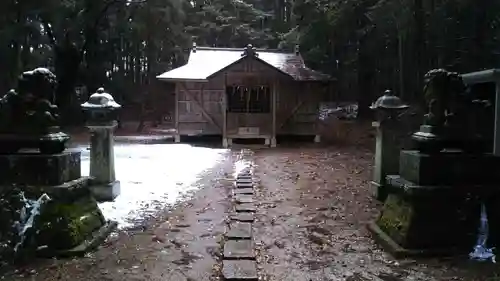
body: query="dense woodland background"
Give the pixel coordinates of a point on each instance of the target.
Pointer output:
(368, 45)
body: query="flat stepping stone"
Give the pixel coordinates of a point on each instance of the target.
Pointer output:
(239, 181)
(244, 185)
(242, 198)
(242, 270)
(243, 191)
(243, 217)
(238, 250)
(245, 207)
(239, 230)
(244, 177)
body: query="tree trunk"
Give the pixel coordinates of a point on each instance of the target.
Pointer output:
(419, 43)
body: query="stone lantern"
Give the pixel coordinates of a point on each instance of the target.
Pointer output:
(388, 106)
(388, 140)
(101, 113)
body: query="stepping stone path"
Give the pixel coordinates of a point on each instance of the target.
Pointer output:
(239, 252)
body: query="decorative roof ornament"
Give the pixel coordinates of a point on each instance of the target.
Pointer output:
(250, 51)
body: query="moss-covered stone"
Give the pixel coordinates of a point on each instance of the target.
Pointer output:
(435, 219)
(63, 225)
(395, 218)
(69, 219)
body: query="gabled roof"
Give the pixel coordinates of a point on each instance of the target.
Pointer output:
(206, 62)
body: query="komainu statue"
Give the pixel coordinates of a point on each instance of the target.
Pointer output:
(28, 117)
(450, 122)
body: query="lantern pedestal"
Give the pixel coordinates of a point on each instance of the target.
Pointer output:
(387, 148)
(102, 162)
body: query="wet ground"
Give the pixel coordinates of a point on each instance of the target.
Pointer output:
(313, 204)
(153, 176)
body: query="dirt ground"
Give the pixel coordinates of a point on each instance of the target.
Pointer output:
(313, 204)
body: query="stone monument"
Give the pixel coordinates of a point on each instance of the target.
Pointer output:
(46, 207)
(101, 111)
(388, 140)
(435, 202)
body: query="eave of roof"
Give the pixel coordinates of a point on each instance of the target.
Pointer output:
(484, 76)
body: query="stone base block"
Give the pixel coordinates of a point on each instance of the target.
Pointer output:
(68, 191)
(448, 168)
(33, 168)
(399, 252)
(439, 219)
(105, 192)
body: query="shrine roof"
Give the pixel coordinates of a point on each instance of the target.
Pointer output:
(206, 62)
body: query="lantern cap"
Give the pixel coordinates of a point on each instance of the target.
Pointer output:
(102, 100)
(388, 101)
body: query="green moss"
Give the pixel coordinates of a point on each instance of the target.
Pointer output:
(64, 225)
(395, 218)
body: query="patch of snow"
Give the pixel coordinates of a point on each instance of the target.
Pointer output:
(153, 176)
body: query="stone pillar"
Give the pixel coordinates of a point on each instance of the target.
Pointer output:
(387, 149)
(101, 122)
(102, 162)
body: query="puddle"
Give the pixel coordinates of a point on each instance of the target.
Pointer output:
(153, 176)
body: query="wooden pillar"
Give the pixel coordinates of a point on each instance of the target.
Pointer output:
(496, 139)
(225, 141)
(274, 103)
(317, 99)
(176, 99)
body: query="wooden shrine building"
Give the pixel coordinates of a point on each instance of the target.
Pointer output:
(246, 93)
